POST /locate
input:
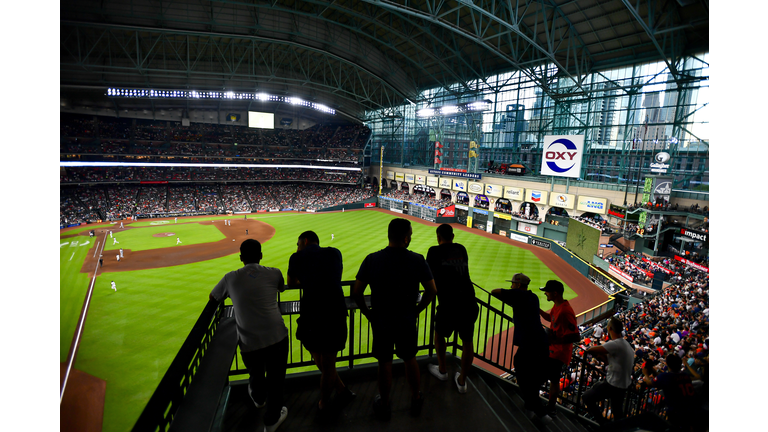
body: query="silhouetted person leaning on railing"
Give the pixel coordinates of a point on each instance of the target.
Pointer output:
(394, 274)
(322, 326)
(261, 332)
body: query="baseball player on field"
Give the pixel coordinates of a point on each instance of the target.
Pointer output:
(114, 287)
(178, 240)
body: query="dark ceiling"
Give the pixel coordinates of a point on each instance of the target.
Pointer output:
(356, 56)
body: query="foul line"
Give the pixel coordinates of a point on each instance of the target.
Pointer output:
(97, 248)
(76, 342)
(73, 255)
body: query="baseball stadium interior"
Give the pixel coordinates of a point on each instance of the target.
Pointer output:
(578, 128)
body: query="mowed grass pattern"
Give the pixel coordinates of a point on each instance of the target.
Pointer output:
(133, 334)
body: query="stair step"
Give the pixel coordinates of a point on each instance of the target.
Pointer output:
(496, 397)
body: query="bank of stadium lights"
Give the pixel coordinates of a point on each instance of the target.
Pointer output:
(213, 95)
(447, 110)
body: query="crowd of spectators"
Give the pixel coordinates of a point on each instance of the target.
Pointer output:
(152, 200)
(675, 321)
(503, 208)
(419, 198)
(181, 199)
(207, 197)
(121, 201)
(106, 135)
(600, 224)
(123, 174)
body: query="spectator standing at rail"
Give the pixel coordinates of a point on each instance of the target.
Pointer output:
(458, 309)
(563, 332)
(531, 341)
(620, 356)
(261, 332)
(322, 326)
(393, 313)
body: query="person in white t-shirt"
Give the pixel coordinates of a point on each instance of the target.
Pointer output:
(598, 332)
(261, 332)
(620, 356)
(114, 287)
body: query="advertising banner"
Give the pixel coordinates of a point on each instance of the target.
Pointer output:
(696, 235)
(479, 211)
(409, 178)
(647, 273)
(561, 155)
(469, 221)
(369, 205)
(659, 164)
(513, 193)
(433, 181)
(445, 172)
(502, 216)
(563, 200)
(528, 228)
(692, 264)
(592, 204)
(390, 175)
(617, 211)
(461, 207)
(445, 183)
(621, 273)
(541, 243)
(494, 190)
(459, 185)
(535, 196)
(449, 211)
(261, 211)
(399, 177)
(475, 188)
(518, 237)
(489, 226)
(420, 179)
(502, 233)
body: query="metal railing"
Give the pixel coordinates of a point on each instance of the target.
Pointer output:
(492, 339)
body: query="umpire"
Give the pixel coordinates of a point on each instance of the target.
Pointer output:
(458, 310)
(322, 326)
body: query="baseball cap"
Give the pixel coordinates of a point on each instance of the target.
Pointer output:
(520, 278)
(553, 286)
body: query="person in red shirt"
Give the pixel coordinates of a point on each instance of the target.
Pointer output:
(563, 332)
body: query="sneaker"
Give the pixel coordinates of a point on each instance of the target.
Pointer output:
(462, 388)
(416, 405)
(258, 405)
(283, 415)
(382, 413)
(435, 371)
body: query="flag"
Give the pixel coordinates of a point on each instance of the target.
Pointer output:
(437, 160)
(438, 145)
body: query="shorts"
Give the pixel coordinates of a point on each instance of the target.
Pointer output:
(322, 335)
(553, 369)
(394, 335)
(461, 321)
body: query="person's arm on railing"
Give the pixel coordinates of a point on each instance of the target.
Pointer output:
(430, 291)
(598, 351)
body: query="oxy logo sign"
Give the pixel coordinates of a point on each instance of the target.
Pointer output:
(562, 155)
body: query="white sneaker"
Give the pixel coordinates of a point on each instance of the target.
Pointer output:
(283, 415)
(462, 388)
(435, 370)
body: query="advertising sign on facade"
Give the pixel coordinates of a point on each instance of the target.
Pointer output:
(561, 155)
(399, 177)
(513, 193)
(692, 264)
(541, 243)
(390, 175)
(502, 216)
(369, 205)
(445, 183)
(459, 174)
(621, 273)
(420, 179)
(592, 204)
(449, 211)
(535, 196)
(696, 235)
(562, 200)
(409, 178)
(528, 228)
(459, 185)
(461, 207)
(433, 181)
(494, 190)
(518, 237)
(475, 188)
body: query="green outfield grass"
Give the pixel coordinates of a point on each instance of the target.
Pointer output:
(181, 220)
(141, 239)
(133, 334)
(73, 288)
(75, 231)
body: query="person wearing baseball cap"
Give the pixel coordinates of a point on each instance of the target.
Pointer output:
(531, 341)
(563, 332)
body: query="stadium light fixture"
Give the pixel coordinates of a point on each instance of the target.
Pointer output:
(449, 110)
(194, 94)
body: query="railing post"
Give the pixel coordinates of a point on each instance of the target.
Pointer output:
(351, 338)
